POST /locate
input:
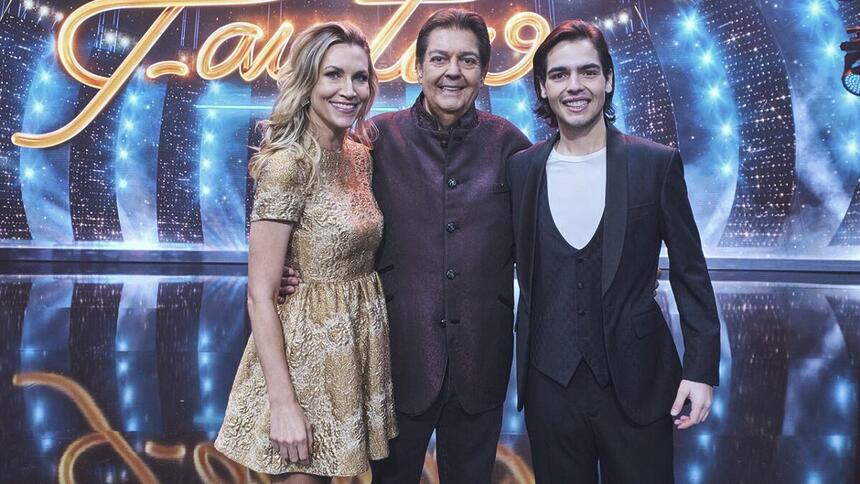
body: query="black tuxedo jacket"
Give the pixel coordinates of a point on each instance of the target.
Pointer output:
(646, 204)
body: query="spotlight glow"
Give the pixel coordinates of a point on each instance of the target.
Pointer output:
(726, 129)
(39, 107)
(727, 169)
(608, 23)
(58, 16)
(44, 11)
(122, 183)
(206, 163)
(623, 17)
(28, 4)
(690, 23)
(714, 93)
(815, 8)
(128, 125)
(852, 147)
(133, 99)
(110, 37)
(208, 137)
(832, 50)
(29, 173)
(44, 76)
(707, 58)
(123, 154)
(205, 190)
(124, 41)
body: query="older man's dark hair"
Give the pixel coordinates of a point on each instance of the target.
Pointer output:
(455, 18)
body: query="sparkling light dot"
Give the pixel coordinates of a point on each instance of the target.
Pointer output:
(44, 76)
(38, 106)
(206, 190)
(122, 182)
(707, 58)
(124, 41)
(128, 125)
(208, 137)
(623, 17)
(815, 8)
(123, 153)
(714, 92)
(608, 23)
(44, 11)
(29, 173)
(28, 4)
(690, 23)
(726, 129)
(206, 163)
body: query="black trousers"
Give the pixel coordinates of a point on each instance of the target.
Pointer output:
(579, 434)
(465, 444)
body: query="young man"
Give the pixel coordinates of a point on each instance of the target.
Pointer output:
(597, 370)
(446, 257)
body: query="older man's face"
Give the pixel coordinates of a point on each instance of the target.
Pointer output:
(450, 74)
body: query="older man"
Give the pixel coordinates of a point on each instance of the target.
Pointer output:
(446, 259)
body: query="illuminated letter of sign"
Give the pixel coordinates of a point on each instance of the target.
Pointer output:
(108, 86)
(513, 29)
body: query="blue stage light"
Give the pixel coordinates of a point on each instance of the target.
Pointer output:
(694, 473)
(852, 148)
(122, 183)
(133, 99)
(44, 76)
(726, 129)
(29, 173)
(39, 107)
(128, 125)
(208, 137)
(123, 154)
(205, 190)
(832, 50)
(815, 8)
(707, 58)
(714, 93)
(206, 163)
(836, 442)
(690, 23)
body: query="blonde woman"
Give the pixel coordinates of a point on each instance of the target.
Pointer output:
(312, 397)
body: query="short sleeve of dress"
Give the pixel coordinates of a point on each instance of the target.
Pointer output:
(281, 190)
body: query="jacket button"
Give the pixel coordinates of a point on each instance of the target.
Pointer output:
(579, 285)
(581, 312)
(444, 143)
(452, 226)
(443, 323)
(580, 259)
(450, 274)
(452, 183)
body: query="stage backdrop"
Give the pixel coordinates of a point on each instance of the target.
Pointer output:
(132, 128)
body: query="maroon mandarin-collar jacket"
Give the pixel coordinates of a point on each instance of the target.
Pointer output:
(446, 258)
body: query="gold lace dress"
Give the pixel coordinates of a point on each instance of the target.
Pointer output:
(335, 324)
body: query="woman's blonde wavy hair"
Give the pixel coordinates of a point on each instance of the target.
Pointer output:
(289, 127)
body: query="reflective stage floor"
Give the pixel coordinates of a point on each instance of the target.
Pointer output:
(123, 377)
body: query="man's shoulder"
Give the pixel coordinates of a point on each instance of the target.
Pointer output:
(526, 155)
(648, 148)
(389, 117)
(499, 125)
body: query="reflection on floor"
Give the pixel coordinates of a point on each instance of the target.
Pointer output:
(152, 357)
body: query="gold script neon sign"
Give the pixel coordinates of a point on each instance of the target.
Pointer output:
(204, 454)
(245, 57)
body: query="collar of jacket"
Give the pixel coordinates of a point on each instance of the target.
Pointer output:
(427, 121)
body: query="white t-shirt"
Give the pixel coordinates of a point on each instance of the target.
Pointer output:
(576, 187)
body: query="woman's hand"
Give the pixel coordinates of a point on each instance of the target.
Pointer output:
(291, 433)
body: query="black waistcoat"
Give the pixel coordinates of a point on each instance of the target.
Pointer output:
(568, 315)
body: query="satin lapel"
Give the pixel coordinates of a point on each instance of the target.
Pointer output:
(615, 222)
(534, 180)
